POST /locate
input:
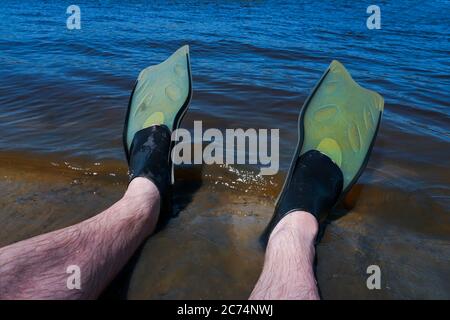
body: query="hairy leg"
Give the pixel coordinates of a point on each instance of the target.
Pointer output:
(36, 268)
(288, 266)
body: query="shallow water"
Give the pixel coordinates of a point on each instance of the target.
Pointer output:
(63, 98)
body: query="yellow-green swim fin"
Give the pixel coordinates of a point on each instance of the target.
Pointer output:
(340, 119)
(337, 128)
(160, 97)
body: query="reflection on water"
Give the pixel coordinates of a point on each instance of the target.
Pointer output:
(63, 96)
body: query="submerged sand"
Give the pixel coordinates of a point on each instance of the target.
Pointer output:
(211, 250)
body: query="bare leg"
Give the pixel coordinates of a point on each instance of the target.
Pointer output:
(288, 266)
(36, 268)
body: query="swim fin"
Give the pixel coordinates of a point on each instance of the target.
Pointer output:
(158, 102)
(337, 128)
(161, 96)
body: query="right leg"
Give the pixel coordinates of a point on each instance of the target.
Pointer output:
(288, 266)
(339, 122)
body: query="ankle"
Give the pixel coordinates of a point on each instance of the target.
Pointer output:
(301, 224)
(149, 156)
(142, 201)
(140, 186)
(313, 186)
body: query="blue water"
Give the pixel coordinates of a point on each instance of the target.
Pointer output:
(253, 63)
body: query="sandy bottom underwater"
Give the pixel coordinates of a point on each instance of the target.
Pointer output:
(211, 250)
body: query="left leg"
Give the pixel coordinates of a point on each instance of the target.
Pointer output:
(100, 246)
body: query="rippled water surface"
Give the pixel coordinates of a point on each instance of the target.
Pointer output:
(63, 98)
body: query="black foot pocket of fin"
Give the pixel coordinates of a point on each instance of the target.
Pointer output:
(314, 186)
(149, 158)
